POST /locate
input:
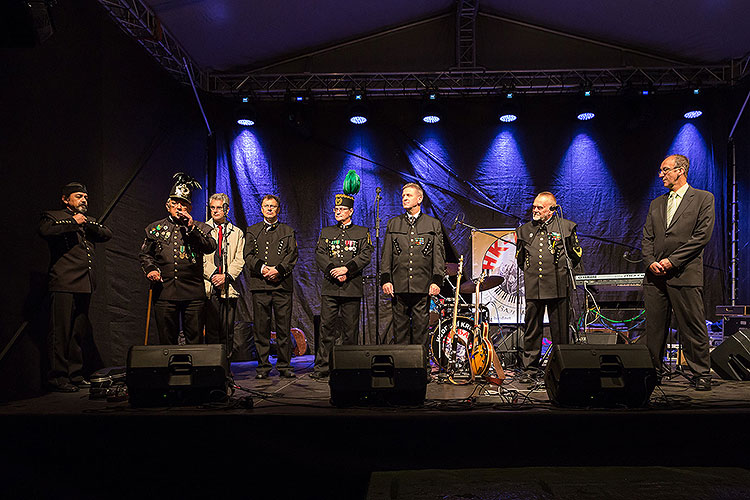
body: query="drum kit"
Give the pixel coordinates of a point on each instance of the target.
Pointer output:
(459, 341)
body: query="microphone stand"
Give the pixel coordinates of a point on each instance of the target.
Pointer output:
(225, 306)
(571, 276)
(378, 197)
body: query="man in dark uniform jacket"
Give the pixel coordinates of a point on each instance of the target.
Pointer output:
(342, 253)
(270, 257)
(412, 267)
(540, 254)
(172, 259)
(71, 235)
(678, 227)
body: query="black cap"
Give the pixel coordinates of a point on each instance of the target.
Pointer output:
(73, 187)
(183, 187)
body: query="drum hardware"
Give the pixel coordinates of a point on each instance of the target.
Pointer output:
(481, 284)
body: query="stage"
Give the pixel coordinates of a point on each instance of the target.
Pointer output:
(294, 442)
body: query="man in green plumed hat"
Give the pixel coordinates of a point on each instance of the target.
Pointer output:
(342, 253)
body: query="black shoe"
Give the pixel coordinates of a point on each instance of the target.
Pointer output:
(82, 383)
(261, 376)
(66, 387)
(287, 374)
(702, 383)
(318, 375)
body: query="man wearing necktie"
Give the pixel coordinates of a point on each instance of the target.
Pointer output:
(678, 227)
(412, 267)
(220, 272)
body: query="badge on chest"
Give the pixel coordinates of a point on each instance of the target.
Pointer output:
(338, 247)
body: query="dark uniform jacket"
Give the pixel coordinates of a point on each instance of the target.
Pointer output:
(177, 253)
(540, 254)
(270, 245)
(339, 246)
(71, 248)
(683, 241)
(413, 256)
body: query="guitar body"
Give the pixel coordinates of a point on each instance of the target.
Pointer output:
(480, 357)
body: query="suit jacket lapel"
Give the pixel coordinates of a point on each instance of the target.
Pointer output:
(687, 200)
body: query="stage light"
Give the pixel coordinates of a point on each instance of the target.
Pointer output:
(694, 107)
(430, 108)
(586, 93)
(588, 115)
(245, 114)
(358, 111)
(508, 108)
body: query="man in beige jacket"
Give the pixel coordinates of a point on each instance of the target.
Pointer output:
(220, 270)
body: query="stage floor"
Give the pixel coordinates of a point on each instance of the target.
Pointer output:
(293, 439)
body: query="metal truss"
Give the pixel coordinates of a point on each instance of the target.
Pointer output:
(475, 82)
(139, 21)
(466, 23)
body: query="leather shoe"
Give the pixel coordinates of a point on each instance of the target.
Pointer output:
(287, 374)
(83, 383)
(67, 387)
(702, 383)
(261, 376)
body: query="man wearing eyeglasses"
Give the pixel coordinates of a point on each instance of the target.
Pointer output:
(342, 253)
(678, 227)
(270, 257)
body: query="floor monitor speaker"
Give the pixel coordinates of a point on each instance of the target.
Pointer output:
(378, 375)
(600, 375)
(170, 375)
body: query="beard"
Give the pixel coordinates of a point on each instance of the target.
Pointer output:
(82, 208)
(536, 217)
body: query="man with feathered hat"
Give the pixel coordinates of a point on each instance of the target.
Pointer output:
(342, 253)
(172, 260)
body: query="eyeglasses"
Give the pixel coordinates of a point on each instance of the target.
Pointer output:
(665, 171)
(341, 209)
(270, 206)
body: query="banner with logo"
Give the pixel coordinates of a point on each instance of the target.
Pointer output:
(495, 253)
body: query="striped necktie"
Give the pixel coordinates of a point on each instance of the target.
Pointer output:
(671, 207)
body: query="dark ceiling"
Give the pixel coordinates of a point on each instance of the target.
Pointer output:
(222, 35)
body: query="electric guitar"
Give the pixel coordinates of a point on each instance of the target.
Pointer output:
(480, 343)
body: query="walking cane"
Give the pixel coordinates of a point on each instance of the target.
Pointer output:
(148, 314)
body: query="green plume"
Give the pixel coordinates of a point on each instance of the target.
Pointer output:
(351, 183)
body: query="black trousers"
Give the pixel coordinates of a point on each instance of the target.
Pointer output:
(69, 324)
(341, 312)
(169, 313)
(687, 304)
(280, 303)
(220, 314)
(411, 319)
(557, 310)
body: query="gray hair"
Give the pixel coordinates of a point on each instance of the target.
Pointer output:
(223, 198)
(414, 185)
(681, 161)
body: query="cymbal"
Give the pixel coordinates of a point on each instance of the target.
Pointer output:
(489, 283)
(451, 268)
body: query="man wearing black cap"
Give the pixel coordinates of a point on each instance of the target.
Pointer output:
(412, 267)
(270, 257)
(342, 253)
(172, 260)
(71, 236)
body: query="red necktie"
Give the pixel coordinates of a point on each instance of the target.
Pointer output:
(218, 250)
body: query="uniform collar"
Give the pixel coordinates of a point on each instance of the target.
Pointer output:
(270, 225)
(342, 226)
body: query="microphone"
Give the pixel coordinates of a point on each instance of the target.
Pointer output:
(455, 223)
(554, 207)
(377, 192)
(225, 206)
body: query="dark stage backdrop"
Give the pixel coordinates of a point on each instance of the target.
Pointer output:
(603, 172)
(91, 105)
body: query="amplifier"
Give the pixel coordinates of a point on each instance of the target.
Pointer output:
(733, 324)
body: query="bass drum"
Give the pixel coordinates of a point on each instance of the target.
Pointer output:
(441, 343)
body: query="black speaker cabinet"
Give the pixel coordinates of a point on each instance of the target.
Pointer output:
(166, 375)
(378, 375)
(600, 375)
(731, 359)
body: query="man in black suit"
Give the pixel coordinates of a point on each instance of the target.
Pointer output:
(412, 267)
(71, 235)
(540, 254)
(270, 256)
(678, 227)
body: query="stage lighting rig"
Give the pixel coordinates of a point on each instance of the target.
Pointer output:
(245, 114)
(508, 107)
(586, 109)
(694, 104)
